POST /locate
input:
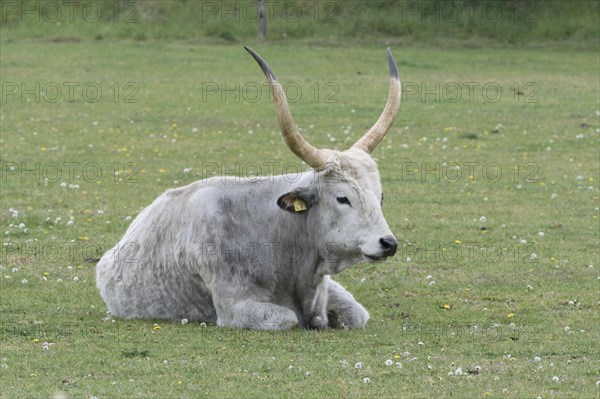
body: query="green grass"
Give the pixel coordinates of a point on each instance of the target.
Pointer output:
(545, 143)
(475, 24)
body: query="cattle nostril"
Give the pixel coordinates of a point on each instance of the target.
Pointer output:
(389, 245)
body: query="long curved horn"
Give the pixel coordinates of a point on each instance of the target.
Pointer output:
(304, 150)
(375, 134)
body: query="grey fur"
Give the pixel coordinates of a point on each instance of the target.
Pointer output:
(238, 253)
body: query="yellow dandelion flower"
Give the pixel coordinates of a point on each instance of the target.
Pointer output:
(156, 327)
(457, 242)
(396, 356)
(447, 307)
(35, 340)
(510, 315)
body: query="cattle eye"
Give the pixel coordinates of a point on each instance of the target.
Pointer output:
(343, 200)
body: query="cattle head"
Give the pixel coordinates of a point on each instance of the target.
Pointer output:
(342, 203)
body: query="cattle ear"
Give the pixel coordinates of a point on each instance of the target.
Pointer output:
(299, 200)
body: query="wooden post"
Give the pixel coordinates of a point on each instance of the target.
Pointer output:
(262, 20)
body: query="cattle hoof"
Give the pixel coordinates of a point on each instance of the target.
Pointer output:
(355, 318)
(318, 323)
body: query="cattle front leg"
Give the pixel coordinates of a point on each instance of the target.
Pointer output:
(343, 309)
(257, 316)
(314, 308)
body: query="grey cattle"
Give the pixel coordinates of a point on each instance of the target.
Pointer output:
(259, 253)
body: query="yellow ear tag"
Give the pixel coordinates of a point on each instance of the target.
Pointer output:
(299, 205)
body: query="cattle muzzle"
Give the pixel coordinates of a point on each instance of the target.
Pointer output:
(389, 245)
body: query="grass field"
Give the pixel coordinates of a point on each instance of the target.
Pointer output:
(440, 22)
(490, 176)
